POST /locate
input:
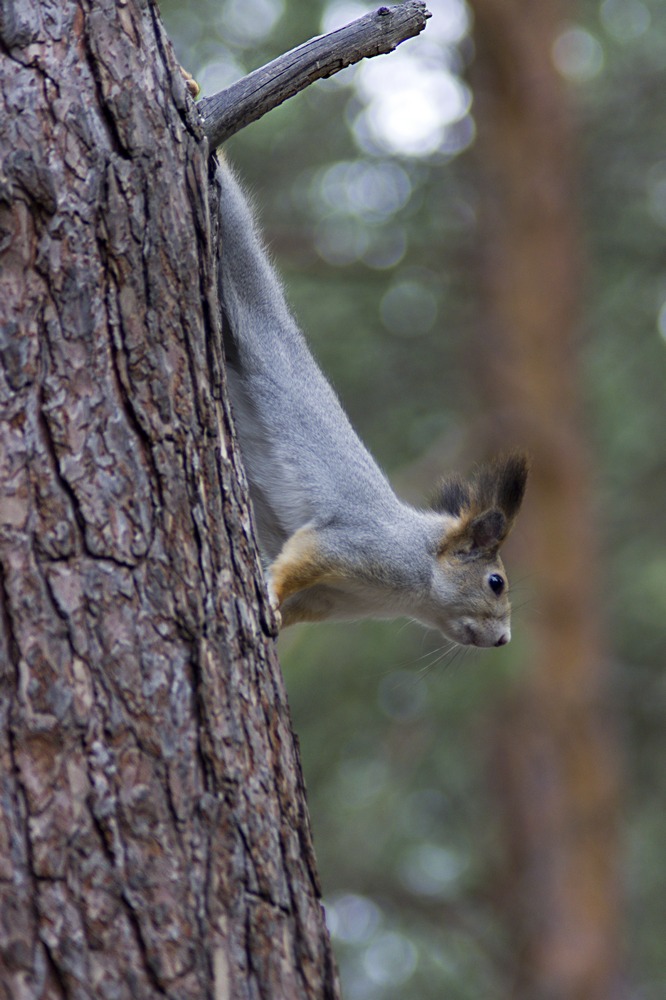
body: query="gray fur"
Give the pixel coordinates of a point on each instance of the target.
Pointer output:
(307, 467)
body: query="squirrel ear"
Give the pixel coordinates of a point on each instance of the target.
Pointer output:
(511, 481)
(477, 536)
(488, 530)
(497, 490)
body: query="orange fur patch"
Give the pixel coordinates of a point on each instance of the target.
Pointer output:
(299, 565)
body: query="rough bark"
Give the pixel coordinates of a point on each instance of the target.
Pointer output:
(154, 839)
(556, 768)
(248, 99)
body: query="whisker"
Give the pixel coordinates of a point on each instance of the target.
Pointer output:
(406, 624)
(530, 603)
(458, 657)
(445, 654)
(435, 656)
(435, 652)
(522, 580)
(407, 664)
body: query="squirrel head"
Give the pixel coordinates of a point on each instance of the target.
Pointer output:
(481, 512)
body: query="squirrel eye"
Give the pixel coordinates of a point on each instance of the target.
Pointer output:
(496, 583)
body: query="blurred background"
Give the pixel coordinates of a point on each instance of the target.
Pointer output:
(472, 234)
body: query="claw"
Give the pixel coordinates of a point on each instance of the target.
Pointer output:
(190, 83)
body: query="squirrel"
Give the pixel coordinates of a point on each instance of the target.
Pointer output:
(336, 541)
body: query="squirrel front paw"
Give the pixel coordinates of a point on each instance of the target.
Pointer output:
(274, 603)
(191, 84)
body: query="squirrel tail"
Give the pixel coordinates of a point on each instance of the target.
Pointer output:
(251, 294)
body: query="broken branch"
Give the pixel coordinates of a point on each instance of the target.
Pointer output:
(262, 90)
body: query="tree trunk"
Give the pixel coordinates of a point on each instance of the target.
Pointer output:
(555, 769)
(154, 839)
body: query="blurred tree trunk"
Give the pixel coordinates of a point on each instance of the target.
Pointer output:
(556, 769)
(154, 839)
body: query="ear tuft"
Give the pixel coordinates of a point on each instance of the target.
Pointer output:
(501, 484)
(511, 481)
(453, 496)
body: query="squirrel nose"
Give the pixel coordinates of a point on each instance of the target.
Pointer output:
(503, 639)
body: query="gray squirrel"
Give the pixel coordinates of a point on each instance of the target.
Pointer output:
(336, 541)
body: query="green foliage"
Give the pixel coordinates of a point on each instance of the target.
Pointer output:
(394, 744)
